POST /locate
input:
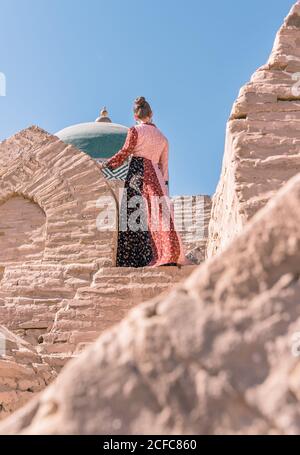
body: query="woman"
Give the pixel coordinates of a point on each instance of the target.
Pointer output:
(147, 235)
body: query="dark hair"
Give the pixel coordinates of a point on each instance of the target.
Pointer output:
(142, 108)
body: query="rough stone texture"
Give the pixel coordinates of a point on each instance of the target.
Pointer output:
(22, 373)
(214, 356)
(22, 230)
(31, 295)
(62, 308)
(263, 138)
(97, 307)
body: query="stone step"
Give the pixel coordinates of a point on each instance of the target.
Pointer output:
(94, 309)
(146, 275)
(32, 294)
(61, 308)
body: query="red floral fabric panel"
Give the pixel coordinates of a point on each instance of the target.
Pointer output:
(166, 244)
(130, 144)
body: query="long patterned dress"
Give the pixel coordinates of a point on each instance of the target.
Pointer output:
(155, 241)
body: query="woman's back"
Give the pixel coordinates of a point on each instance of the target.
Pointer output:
(149, 238)
(151, 143)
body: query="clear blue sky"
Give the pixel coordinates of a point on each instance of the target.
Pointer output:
(65, 59)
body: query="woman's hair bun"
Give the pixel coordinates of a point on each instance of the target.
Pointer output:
(140, 101)
(142, 108)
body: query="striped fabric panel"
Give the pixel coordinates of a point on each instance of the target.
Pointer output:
(117, 174)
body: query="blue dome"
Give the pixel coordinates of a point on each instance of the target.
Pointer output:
(97, 139)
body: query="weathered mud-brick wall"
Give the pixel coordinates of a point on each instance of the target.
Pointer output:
(95, 308)
(22, 372)
(32, 294)
(55, 187)
(263, 138)
(49, 241)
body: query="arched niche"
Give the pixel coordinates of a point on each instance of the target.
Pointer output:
(22, 230)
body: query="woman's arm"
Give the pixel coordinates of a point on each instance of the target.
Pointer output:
(164, 163)
(119, 158)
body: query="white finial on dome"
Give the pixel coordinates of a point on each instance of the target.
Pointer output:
(104, 116)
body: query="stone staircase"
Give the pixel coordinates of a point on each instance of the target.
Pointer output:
(95, 308)
(62, 308)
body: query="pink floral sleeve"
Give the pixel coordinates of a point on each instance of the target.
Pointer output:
(164, 163)
(119, 158)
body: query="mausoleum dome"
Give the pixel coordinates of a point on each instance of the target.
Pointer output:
(99, 139)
